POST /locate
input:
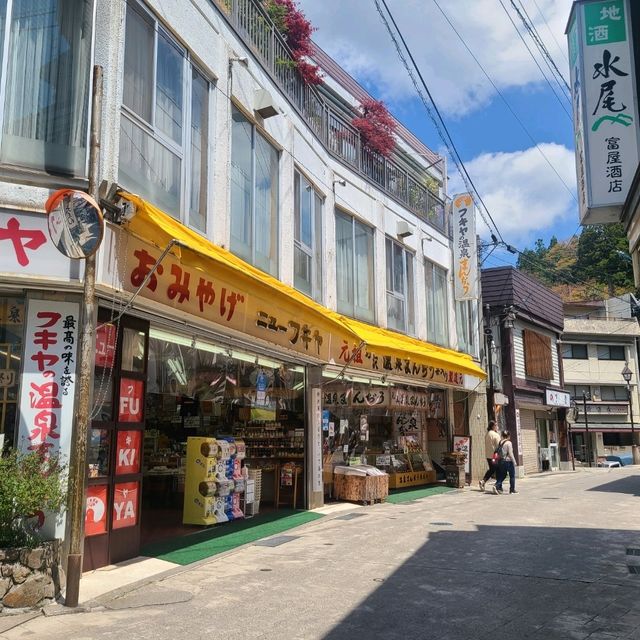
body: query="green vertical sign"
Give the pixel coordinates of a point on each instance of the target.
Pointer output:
(604, 22)
(573, 41)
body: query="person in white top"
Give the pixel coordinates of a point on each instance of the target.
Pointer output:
(506, 464)
(491, 440)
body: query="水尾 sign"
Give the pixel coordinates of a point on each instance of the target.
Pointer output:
(605, 109)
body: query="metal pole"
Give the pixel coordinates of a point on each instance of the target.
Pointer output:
(586, 426)
(634, 446)
(78, 459)
(489, 341)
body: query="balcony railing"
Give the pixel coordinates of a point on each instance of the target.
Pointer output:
(338, 135)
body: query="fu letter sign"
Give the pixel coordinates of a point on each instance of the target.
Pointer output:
(131, 400)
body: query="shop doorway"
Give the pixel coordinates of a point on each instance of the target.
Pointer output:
(114, 455)
(548, 453)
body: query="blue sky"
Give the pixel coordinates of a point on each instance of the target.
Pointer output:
(529, 189)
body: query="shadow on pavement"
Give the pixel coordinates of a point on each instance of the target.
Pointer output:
(505, 582)
(629, 485)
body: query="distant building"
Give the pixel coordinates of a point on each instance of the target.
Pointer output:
(523, 326)
(599, 338)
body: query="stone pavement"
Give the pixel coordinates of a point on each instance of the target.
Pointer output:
(548, 563)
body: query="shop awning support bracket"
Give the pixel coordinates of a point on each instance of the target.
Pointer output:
(172, 243)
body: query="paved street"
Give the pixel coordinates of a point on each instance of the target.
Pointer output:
(549, 562)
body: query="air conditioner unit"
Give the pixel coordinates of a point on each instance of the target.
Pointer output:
(403, 229)
(263, 104)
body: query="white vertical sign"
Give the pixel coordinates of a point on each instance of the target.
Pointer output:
(605, 109)
(465, 253)
(48, 382)
(316, 435)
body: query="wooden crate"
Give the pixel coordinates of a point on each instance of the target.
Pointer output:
(367, 489)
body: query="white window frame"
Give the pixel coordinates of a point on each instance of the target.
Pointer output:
(434, 268)
(405, 298)
(467, 326)
(4, 57)
(354, 312)
(181, 150)
(255, 134)
(303, 188)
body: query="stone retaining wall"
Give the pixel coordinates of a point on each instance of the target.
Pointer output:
(30, 577)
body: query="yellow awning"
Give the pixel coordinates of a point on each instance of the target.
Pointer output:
(155, 227)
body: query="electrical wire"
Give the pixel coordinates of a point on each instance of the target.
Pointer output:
(535, 36)
(432, 107)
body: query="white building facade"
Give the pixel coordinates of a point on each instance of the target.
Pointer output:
(307, 265)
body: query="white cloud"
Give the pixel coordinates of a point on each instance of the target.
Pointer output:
(352, 32)
(522, 193)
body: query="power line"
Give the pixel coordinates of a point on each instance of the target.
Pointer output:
(506, 102)
(438, 122)
(533, 57)
(535, 36)
(562, 51)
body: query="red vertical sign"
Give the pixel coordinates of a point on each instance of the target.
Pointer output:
(105, 345)
(128, 452)
(95, 515)
(125, 505)
(131, 400)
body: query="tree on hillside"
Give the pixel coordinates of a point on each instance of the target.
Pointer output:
(603, 254)
(594, 265)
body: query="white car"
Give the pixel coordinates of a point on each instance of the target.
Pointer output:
(608, 463)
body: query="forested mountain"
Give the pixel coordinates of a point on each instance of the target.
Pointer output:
(592, 266)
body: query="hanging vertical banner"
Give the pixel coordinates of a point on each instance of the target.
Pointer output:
(48, 383)
(465, 252)
(605, 108)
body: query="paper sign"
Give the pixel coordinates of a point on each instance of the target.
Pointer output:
(125, 505)
(95, 515)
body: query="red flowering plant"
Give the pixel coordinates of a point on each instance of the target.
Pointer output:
(297, 30)
(376, 127)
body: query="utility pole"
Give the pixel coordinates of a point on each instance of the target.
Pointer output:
(78, 458)
(586, 424)
(488, 334)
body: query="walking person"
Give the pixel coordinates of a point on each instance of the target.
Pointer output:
(506, 464)
(491, 440)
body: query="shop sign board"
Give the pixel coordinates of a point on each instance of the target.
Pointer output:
(465, 251)
(555, 398)
(128, 452)
(605, 109)
(131, 400)
(48, 378)
(407, 423)
(106, 336)
(383, 362)
(519, 436)
(463, 445)
(95, 513)
(316, 426)
(27, 250)
(125, 505)
(224, 299)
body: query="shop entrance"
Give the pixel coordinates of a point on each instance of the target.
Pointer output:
(112, 516)
(548, 453)
(224, 439)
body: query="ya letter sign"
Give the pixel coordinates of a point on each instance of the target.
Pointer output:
(125, 505)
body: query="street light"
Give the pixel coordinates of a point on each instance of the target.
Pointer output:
(626, 374)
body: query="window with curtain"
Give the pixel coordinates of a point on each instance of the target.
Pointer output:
(574, 352)
(437, 315)
(254, 195)
(400, 283)
(307, 259)
(164, 132)
(613, 393)
(47, 78)
(466, 326)
(355, 268)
